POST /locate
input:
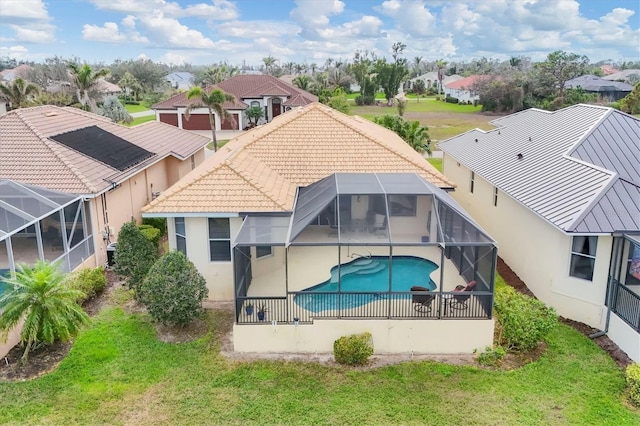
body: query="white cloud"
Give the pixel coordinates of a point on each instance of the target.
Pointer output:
(34, 33)
(221, 10)
(411, 16)
(23, 10)
(218, 9)
(170, 32)
(255, 29)
(172, 58)
(16, 52)
(129, 21)
(313, 15)
(110, 33)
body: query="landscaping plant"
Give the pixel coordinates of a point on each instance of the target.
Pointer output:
(354, 349)
(134, 255)
(522, 321)
(633, 381)
(38, 295)
(89, 281)
(173, 290)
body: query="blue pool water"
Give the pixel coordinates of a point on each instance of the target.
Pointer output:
(368, 275)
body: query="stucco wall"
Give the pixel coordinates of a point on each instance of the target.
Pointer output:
(12, 339)
(537, 251)
(625, 337)
(389, 336)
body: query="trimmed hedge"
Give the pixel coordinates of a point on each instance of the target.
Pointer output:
(151, 233)
(134, 255)
(158, 223)
(523, 321)
(633, 381)
(451, 100)
(354, 349)
(89, 281)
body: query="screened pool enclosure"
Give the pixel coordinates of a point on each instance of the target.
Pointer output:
(40, 224)
(354, 247)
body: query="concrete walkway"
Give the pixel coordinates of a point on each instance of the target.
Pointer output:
(143, 113)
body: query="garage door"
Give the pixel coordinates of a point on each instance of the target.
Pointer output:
(231, 123)
(169, 119)
(196, 122)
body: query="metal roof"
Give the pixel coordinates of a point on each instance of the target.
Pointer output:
(577, 168)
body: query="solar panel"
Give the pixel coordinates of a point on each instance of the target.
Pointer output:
(103, 146)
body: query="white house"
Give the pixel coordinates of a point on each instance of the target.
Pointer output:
(463, 89)
(560, 192)
(291, 214)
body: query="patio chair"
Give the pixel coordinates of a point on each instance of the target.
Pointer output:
(459, 301)
(422, 298)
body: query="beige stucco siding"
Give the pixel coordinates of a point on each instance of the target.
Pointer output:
(537, 251)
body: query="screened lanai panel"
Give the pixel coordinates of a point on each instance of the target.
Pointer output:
(311, 202)
(411, 219)
(263, 231)
(458, 227)
(358, 183)
(404, 183)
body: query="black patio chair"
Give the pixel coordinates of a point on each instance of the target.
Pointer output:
(459, 301)
(422, 298)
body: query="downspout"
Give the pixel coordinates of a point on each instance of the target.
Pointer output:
(614, 257)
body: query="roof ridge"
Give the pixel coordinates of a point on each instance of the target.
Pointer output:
(254, 185)
(373, 138)
(55, 149)
(603, 191)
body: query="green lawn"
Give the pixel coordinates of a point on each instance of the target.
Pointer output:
(119, 373)
(141, 120)
(220, 144)
(436, 162)
(136, 108)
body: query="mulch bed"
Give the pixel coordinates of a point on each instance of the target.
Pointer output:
(618, 355)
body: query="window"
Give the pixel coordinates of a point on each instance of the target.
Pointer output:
(402, 205)
(495, 196)
(583, 257)
(181, 235)
(262, 251)
(255, 104)
(473, 178)
(219, 239)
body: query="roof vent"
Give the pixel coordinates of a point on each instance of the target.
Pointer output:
(529, 138)
(51, 114)
(476, 140)
(520, 156)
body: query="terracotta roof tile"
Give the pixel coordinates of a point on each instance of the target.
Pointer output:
(29, 155)
(296, 149)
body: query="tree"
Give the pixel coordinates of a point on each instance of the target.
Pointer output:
(391, 75)
(112, 108)
(86, 80)
(269, 62)
(303, 82)
(419, 88)
(551, 75)
(57, 98)
(254, 114)
(214, 102)
(130, 85)
(173, 290)
(441, 65)
(362, 70)
(134, 256)
(631, 103)
(217, 74)
(339, 101)
(411, 132)
(19, 92)
(47, 305)
(417, 61)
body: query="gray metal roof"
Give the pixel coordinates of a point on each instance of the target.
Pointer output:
(579, 166)
(592, 83)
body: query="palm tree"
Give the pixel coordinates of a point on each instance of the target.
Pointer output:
(19, 92)
(416, 65)
(86, 79)
(39, 295)
(269, 62)
(303, 82)
(214, 102)
(440, 66)
(417, 137)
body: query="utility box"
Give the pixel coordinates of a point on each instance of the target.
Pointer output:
(111, 251)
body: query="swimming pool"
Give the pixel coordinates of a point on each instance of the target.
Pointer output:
(368, 275)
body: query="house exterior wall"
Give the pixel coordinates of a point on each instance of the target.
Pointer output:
(461, 95)
(12, 339)
(389, 336)
(537, 251)
(625, 337)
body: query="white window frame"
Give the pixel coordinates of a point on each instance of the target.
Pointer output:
(584, 256)
(179, 235)
(216, 239)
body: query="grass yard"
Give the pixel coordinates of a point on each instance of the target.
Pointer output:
(141, 120)
(119, 373)
(220, 144)
(136, 108)
(436, 162)
(444, 120)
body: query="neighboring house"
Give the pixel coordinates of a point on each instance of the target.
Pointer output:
(431, 80)
(273, 212)
(560, 191)
(613, 90)
(630, 76)
(107, 89)
(463, 89)
(37, 223)
(115, 169)
(274, 96)
(18, 72)
(608, 69)
(180, 80)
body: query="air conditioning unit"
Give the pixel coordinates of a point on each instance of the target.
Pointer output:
(155, 195)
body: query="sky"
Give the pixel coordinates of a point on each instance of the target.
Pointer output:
(205, 32)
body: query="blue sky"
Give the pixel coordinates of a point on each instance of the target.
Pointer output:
(310, 31)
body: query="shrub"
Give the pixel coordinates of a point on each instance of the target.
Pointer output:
(151, 233)
(359, 100)
(451, 100)
(158, 223)
(132, 102)
(134, 255)
(633, 381)
(173, 290)
(492, 356)
(90, 281)
(354, 349)
(523, 321)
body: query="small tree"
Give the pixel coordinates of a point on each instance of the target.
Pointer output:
(134, 256)
(254, 114)
(113, 109)
(419, 88)
(47, 305)
(339, 101)
(631, 103)
(173, 290)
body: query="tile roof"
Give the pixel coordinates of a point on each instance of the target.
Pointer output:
(580, 166)
(29, 155)
(260, 170)
(244, 86)
(465, 83)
